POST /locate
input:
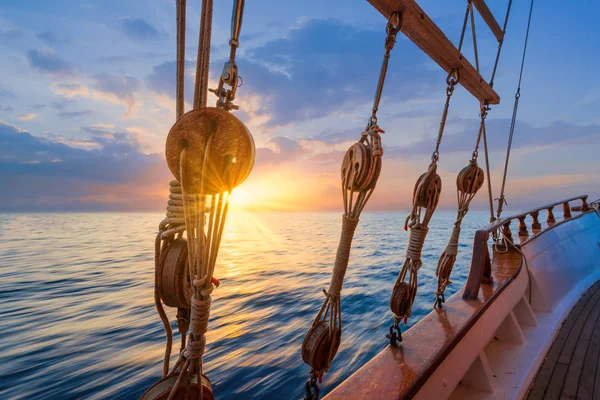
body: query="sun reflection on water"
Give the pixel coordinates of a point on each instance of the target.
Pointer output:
(78, 319)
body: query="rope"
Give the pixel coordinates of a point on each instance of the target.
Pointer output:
(500, 42)
(426, 196)
(467, 184)
(181, 7)
(342, 256)
(502, 200)
(203, 60)
(361, 167)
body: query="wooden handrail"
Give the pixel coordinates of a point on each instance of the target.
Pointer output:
(480, 261)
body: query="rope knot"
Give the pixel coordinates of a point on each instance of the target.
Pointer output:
(199, 316)
(452, 245)
(195, 348)
(418, 233)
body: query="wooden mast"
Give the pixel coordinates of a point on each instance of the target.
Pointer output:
(419, 28)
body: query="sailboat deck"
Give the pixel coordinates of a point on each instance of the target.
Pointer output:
(570, 369)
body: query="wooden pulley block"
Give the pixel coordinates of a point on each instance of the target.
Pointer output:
(188, 388)
(175, 287)
(230, 156)
(356, 165)
(317, 343)
(470, 179)
(429, 193)
(374, 172)
(400, 300)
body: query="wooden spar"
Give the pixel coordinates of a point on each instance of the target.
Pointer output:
(419, 28)
(489, 19)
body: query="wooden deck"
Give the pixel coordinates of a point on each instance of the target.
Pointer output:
(570, 370)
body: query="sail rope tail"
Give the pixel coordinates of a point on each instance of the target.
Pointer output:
(360, 171)
(502, 199)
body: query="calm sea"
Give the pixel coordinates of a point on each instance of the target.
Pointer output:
(78, 319)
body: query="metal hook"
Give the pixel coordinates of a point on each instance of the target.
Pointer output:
(395, 335)
(310, 387)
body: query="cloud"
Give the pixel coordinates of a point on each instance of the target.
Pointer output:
(47, 61)
(138, 29)
(46, 174)
(121, 87)
(107, 87)
(526, 136)
(50, 38)
(5, 108)
(26, 117)
(6, 93)
(74, 114)
(325, 66)
(320, 68)
(11, 34)
(162, 79)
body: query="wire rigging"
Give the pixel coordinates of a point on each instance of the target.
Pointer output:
(502, 199)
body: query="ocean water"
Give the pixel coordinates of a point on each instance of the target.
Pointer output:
(78, 319)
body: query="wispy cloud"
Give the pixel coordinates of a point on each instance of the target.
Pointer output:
(138, 29)
(26, 116)
(47, 61)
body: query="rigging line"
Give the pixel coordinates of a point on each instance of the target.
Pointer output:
(393, 27)
(500, 42)
(487, 170)
(464, 28)
(202, 62)
(181, 6)
(474, 37)
(501, 199)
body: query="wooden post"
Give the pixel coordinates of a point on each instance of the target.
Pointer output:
(506, 231)
(523, 226)
(584, 205)
(480, 266)
(551, 220)
(566, 210)
(535, 224)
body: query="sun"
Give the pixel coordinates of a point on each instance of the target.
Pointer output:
(239, 198)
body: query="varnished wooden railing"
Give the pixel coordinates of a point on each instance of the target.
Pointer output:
(481, 263)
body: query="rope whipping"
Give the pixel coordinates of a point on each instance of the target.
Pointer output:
(210, 152)
(470, 179)
(502, 199)
(360, 171)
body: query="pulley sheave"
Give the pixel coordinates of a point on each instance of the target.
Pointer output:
(231, 155)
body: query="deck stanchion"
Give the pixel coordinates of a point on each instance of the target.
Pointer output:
(551, 220)
(535, 225)
(523, 226)
(566, 210)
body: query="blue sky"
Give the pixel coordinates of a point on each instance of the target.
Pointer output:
(86, 101)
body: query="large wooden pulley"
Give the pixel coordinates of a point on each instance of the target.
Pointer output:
(230, 154)
(470, 179)
(175, 287)
(356, 167)
(400, 300)
(429, 192)
(188, 388)
(317, 344)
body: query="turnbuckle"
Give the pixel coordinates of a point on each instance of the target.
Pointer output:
(395, 334)
(311, 389)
